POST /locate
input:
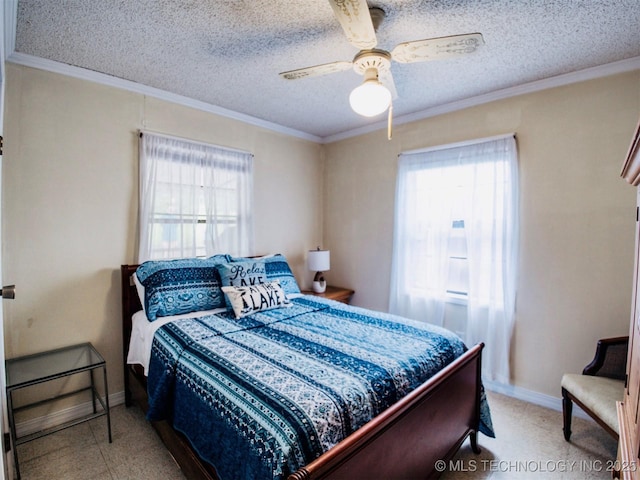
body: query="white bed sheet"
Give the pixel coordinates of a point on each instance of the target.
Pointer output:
(142, 332)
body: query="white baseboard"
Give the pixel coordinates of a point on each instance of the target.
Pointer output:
(62, 416)
(541, 399)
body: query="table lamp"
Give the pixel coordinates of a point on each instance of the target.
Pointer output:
(318, 261)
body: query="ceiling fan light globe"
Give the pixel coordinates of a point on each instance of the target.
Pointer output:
(370, 99)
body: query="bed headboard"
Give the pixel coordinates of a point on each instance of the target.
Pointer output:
(130, 305)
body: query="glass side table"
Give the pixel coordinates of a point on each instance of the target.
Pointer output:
(46, 366)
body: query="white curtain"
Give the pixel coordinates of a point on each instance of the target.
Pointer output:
(492, 243)
(422, 222)
(195, 199)
(475, 183)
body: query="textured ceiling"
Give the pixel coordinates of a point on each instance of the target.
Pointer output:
(229, 53)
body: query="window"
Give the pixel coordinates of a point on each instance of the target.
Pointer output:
(195, 199)
(455, 240)
(457, 285)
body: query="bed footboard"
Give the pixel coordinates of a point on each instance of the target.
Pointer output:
(407, 440)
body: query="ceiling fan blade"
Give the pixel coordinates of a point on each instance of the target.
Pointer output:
(386, 79)
(316, 70)
(436, 48)
(356, 22)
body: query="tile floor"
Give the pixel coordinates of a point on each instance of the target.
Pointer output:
(83, 452)
(529, 445)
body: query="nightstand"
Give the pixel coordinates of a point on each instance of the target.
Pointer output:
(45, 366)
(334, 293)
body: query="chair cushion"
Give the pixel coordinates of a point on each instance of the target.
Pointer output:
(598, 394)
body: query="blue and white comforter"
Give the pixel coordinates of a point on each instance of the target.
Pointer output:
(261, 396)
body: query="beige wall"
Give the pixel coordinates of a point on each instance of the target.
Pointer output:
(576, 216)
(70, 203)
(70, 206)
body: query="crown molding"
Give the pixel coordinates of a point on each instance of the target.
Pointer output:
(108, 80)
(606, 70)
(9, 22)
(613, 68)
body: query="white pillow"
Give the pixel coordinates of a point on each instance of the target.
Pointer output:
(256, 298)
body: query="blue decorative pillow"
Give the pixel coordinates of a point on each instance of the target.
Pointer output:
(173, 287)
(257, 298)
(277, 268)
(242, 274)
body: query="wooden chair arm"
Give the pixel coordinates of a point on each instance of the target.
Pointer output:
(610, 359)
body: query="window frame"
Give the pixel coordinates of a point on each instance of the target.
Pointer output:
(187, 182)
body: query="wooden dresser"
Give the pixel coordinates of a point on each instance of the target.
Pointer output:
(628, 464)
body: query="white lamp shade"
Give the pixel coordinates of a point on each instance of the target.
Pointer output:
(318, 260)
(370, 99)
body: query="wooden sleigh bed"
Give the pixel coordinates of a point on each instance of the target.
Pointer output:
(405, 441)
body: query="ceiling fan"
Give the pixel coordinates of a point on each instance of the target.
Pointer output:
(360, 23)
